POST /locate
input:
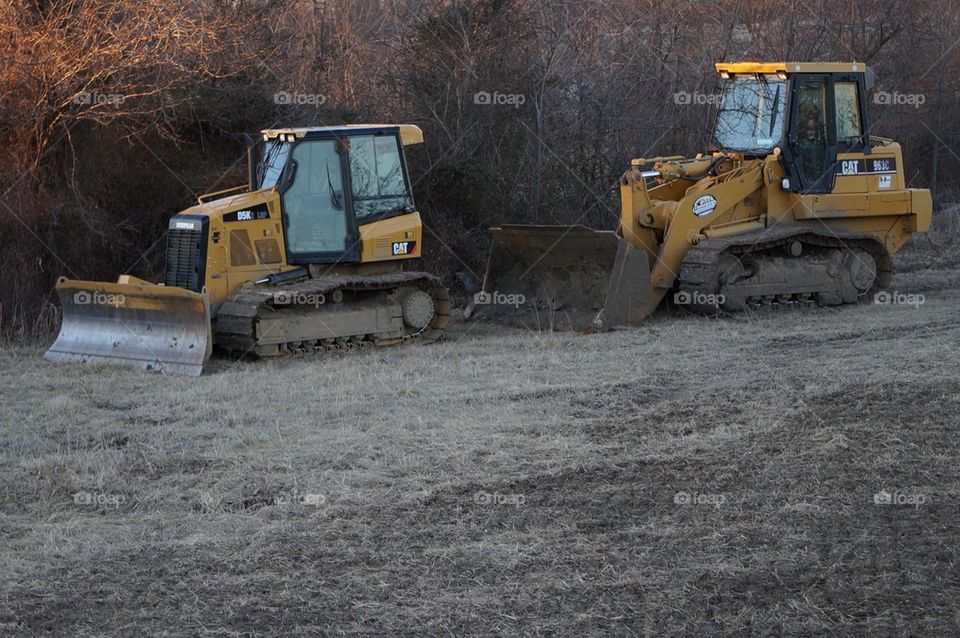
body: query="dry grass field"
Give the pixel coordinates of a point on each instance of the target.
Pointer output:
(693, 476)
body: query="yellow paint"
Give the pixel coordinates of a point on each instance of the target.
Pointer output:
(377, 239)
(223, 279)
(661, 221)
(790, 67)
(409, 133)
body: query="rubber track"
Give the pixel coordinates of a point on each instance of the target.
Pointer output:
(698, 271)
(236, 322)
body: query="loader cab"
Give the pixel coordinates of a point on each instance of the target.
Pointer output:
(331, 180)
(811, 112)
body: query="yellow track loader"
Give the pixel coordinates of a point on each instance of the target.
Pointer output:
(308, 256)
(798, 204)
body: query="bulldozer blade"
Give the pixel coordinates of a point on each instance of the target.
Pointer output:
(564, 277)
(133, 323)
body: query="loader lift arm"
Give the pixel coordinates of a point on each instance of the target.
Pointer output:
(685, 226)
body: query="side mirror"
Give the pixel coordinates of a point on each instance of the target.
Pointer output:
(288, 174)
(869, 79)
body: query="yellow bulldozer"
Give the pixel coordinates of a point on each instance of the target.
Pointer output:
(308, 256)
(797, 204)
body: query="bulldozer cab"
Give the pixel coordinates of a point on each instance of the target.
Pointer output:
(330, 182)
(810, 112)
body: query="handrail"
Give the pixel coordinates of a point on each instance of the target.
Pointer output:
(215, 194)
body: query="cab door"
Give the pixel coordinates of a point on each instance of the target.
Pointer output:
(810, 138)
(826, 120)
(319, 225)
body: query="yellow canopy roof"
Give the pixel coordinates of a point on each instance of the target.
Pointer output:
(791, 67)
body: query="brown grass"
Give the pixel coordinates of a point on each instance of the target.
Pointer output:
(785, 424)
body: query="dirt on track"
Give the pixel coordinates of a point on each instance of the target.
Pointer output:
(692, 476)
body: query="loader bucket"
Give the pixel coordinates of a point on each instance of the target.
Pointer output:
(564, 277)
(133, 323)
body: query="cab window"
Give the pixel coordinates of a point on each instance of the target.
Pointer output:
(315, 215)
(751, 115)
(812, 131)
(849, 130)
(272, 162)
(378, 181)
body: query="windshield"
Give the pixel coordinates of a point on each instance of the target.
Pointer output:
(272, 161)
(751, 115)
